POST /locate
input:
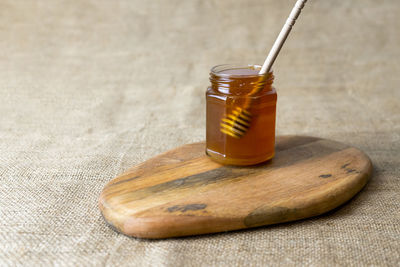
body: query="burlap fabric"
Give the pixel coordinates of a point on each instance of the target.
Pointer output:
(90, 88)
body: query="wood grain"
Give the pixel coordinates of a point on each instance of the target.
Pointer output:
(182, 192)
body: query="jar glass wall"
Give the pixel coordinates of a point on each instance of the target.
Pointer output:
(240, 115)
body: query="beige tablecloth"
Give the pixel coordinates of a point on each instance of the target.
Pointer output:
(90, 88)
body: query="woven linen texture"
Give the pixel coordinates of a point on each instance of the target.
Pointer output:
(90, 88)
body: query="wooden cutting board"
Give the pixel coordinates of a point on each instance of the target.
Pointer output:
(182, 192)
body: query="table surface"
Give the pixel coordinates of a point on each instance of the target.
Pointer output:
(90, 88)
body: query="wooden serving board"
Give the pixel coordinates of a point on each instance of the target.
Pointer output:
(182, 192)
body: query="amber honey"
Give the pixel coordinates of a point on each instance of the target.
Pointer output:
(240, 86)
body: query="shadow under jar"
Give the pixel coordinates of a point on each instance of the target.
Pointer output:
(236, 87)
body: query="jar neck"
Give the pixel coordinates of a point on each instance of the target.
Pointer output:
(236, 83)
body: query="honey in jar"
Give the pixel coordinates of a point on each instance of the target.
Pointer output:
(240, 115)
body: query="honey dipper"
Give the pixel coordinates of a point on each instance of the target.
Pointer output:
(238, 122)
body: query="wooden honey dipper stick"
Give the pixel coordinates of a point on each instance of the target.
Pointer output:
(238, 123)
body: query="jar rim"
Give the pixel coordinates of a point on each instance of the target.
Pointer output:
(216, 70)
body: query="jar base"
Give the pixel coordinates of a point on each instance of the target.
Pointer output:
(220, 158)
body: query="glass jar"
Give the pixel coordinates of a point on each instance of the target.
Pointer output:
(240, 116)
